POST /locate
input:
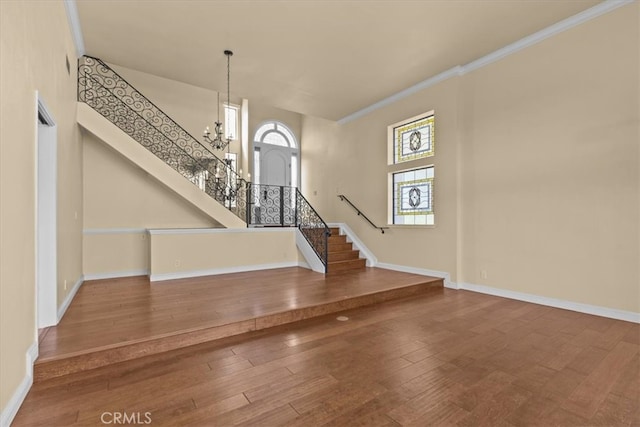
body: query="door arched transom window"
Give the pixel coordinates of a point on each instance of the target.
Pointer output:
(275, 133)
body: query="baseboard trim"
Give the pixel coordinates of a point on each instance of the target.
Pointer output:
(216, 271)
(303, 264)
(67, 301)
(116, 274)
(9, 412)
(422, 271)
(612, 313)
(372, 261)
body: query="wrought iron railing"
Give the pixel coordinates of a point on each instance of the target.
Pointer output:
(280, 206)
(118, 101)
(113, 97)
(272, 205)
(313, 227)
(345, 199)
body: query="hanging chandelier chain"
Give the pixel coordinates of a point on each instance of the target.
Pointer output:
(218, 142)
(218, 106)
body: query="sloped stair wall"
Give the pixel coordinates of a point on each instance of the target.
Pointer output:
(110, 134)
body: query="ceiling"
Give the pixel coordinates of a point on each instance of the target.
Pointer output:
(326, 58)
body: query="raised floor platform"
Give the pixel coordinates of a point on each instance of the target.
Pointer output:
(115, 320)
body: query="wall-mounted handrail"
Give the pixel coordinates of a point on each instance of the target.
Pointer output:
(345, 199)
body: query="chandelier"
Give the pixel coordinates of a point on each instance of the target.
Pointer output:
(218, 142)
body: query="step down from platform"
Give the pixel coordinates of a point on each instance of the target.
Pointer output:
(341, 292)
(342, 257)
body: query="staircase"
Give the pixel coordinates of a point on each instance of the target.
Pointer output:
(342, 257)
(147, 136)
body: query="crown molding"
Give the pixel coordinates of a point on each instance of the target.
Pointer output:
(74, 25)
(459, 70)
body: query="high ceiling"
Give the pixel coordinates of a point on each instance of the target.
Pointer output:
(327, 58)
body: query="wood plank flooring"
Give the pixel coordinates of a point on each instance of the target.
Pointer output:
(439, 359)
(112, 321)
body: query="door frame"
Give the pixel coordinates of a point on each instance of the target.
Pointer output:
(261, 146)
(46, 196)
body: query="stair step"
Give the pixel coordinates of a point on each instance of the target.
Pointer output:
(340, 247)
(343, 256)
(157, 342)
(333, 239)
(347, 265)
(335, 231)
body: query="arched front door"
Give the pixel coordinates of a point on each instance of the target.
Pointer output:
(276, 166)
(275, 172)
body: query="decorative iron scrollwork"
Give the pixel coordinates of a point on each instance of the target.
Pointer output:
(313, 227)
(110, 95)
(113, 97)
(273, 205)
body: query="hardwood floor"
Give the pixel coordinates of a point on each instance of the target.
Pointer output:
(115, 320)
(439, 359)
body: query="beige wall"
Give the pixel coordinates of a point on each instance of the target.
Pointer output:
(536, 163)
(119, 195)
(113, 253)
(318, 162)
(34, 41)
(550, 167)
(174, 253)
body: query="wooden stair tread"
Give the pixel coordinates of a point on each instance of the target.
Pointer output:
(337, 239)
(340, 247)
(343, 255)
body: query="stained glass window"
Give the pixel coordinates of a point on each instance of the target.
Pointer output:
(412, 139)
(412, 197)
